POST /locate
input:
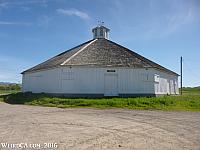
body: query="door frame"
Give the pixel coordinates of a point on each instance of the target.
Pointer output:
(111, 74)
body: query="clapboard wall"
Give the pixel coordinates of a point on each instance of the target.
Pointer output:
(91, 80)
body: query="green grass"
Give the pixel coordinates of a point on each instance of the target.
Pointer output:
(8, 91)
(172, 103)
(9, 88)
(191, 91)
(1, 99)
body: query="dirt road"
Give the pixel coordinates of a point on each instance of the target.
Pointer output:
(91, 129)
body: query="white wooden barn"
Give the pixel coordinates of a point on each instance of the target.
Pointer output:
(98, 68)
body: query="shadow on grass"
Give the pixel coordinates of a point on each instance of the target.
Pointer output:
(21, 98)
(28, 97)
(64, 102)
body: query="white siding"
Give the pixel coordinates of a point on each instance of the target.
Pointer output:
(44, 81)
(132, 81)
(167, 83)
(85, 80)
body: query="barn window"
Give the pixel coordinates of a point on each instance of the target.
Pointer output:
(145, 77)
(101, 32)
(156, 78)
(95, 33)
(68, 75)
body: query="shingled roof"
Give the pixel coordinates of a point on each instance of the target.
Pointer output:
(99, 53)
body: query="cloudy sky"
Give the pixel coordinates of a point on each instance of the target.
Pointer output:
(32, 31)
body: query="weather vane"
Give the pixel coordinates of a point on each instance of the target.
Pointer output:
(100, 23)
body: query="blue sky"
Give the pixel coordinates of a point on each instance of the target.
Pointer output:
(32, 31)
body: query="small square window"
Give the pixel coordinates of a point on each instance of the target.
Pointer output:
(145, 77)
(68, 75)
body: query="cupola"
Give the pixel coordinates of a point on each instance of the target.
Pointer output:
(100, 32)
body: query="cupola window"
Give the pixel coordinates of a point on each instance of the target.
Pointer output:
(100, 32)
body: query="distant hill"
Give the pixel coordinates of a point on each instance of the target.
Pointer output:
(8, 83)
(190, 90)
(192, 87)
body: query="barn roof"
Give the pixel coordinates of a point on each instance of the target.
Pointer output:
(99, 53)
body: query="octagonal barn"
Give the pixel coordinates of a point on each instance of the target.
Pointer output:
(97, 68)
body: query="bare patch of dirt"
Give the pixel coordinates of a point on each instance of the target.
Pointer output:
(93, 129)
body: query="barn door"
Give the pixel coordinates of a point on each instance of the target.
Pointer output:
(110, 85)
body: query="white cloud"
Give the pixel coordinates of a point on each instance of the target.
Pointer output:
(24, 3)
(179, 17)
(10, 77)
(159, 20)
(44, 20)
(74, 12)
(4, 4)
(11, 67)
(15, 23)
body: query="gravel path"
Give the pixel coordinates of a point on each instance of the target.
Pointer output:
(92, 129)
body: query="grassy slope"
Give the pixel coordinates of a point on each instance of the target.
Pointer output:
(191, 91)
(190, 101)
(178, 103)
(8, 91)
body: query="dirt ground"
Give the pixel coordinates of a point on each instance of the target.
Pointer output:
(93, 129)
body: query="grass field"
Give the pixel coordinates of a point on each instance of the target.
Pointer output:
(8, 91)
(9, 88)
(191, 91)
(186, 102)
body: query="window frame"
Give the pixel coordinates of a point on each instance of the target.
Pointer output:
(101, 32)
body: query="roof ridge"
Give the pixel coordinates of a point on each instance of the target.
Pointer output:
(100, 53)
(62, 53)
(148, 61)
(73, 48)
(67, 60)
